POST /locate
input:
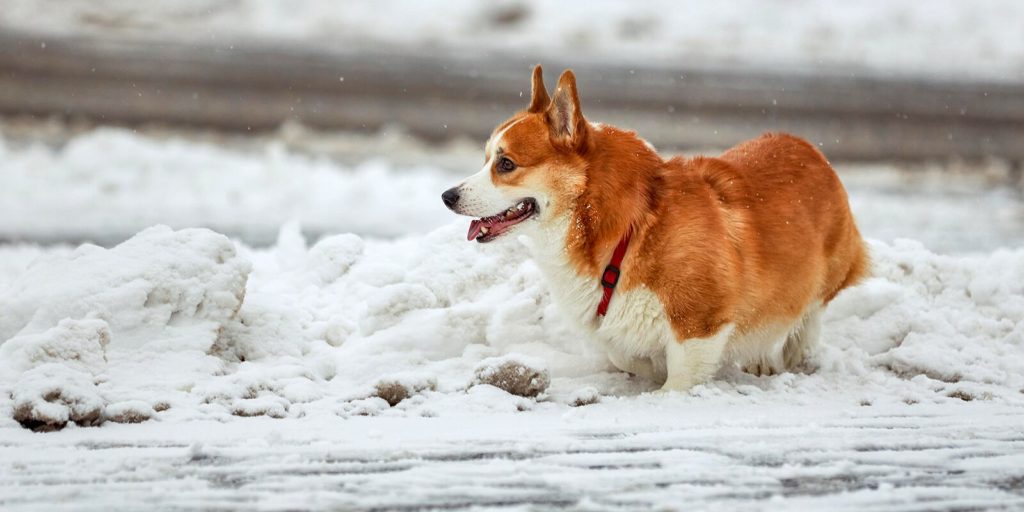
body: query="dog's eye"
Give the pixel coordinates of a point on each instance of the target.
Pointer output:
(506, 165)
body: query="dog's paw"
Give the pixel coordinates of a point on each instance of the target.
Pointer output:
(680, 385)
(761, 369)
(794, 357)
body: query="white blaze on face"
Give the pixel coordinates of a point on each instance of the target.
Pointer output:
(478, 196)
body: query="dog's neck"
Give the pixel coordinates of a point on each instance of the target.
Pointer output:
(622, 179)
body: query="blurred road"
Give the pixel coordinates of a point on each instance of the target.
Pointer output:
(257, 85)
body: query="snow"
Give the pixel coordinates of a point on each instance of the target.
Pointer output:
(116, 322)
(112, 181)
(50, 395)
(702, 456)
(394, 364)
(155, 324)
(106, 184)
(332, 342)
(895, 36)
(161, 318)
(914, 397)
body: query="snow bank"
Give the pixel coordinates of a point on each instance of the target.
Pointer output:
(112, 182)
(952, 324)
(144, 314)
(415, 326)
(107, 184)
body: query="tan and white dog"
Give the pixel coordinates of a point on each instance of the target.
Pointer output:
(710, 259)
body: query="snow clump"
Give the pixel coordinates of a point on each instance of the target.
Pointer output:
(100, 326)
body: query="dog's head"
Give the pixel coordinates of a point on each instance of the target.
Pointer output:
(534, 166)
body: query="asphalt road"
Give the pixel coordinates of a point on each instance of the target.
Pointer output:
(256, 85)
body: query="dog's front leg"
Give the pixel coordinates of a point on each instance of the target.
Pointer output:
(693, 361)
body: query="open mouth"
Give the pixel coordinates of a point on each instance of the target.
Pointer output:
(489, 228)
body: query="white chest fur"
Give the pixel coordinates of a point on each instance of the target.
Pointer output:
(635, 329)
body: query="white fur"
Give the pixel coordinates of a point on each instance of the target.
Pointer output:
(479, 197)
(803, 338)
(635, 329)
(694, 361)
(776, 348)
(760, 351)
(495, 141)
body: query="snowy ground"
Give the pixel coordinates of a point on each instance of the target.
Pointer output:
(380, 361)
(349, 374)
(628, 454)
(901, 36)
(915, 401)
(373, 368)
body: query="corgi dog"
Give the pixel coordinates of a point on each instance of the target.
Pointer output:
(675, 266)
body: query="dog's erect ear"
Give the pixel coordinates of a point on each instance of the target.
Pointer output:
(539, 99)
(564, 116)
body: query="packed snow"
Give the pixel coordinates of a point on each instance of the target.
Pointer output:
(115, 323)
(894, 36)
(264, 327)
(104, 185)
(351, 342)
(160, 320)
(366, 356)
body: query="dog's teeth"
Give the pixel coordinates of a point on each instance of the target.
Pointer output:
(520, 206)
(484, 230)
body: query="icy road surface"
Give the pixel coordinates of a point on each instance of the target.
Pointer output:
(627, 454)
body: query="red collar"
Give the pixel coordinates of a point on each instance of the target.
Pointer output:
(610, 276)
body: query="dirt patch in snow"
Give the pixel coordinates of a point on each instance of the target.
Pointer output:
(392, 392)
(395, 390)
(132, 411)
(513, 376)
(46, 398)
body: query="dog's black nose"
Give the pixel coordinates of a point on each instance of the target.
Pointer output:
(450, 197)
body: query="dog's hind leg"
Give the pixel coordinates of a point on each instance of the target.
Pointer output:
(695, 360)
(759, 352)
(642, 367)
(803, 338)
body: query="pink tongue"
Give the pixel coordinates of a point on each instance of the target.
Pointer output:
(474, 229)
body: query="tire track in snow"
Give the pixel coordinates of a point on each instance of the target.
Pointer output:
(872, 463)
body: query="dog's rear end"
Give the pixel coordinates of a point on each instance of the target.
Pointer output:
(802, 247)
